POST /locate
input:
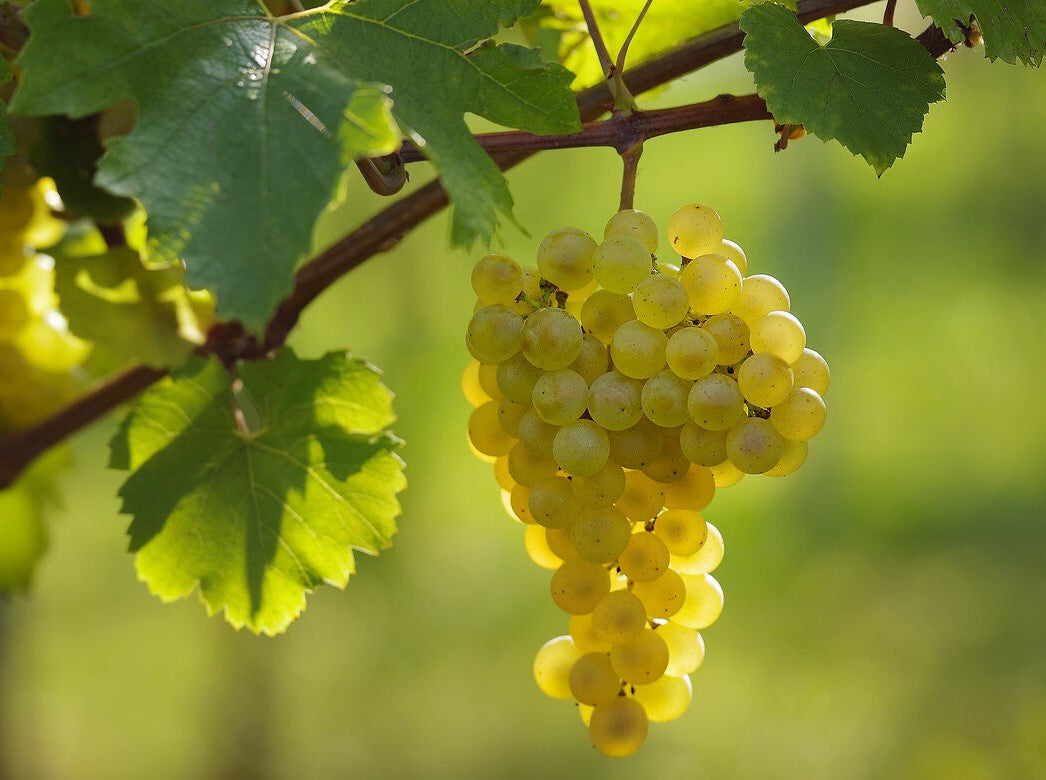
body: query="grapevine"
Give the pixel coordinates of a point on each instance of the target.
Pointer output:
(614, 390)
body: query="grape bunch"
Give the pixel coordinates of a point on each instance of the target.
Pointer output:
(39, 358)
(614, 392)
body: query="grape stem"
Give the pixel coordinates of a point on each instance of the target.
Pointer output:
(630, 162)
(230, 342)
(596, 35)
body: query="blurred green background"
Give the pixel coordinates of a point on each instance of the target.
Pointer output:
(886, 606)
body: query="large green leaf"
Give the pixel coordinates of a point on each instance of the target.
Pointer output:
(1013, 30)
(257, 491)
(128, 311)
(868, 88)
(246, 120)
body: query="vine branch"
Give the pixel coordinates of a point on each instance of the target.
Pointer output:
(387, 228)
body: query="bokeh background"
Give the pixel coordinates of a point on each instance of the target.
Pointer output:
(885, 606)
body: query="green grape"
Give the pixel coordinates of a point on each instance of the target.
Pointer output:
(516, 377)
(519, 503)
(665, 699)
(470, 386)
(582, 630)
(731, 336)
(637, 446)
(792, 458)
(560, 397)
(694, 490)
(642, 660)
(702, 446)
(726, 474)
(754, 446)
(638, 224)
(603, 312)
(760, 295)
(642, 497)
(565, 258)
(682, 530)
(536, 544)
(638, 350)
(535, 434)
(618, 617)
(559, 542)
(615, 401)
(712, 284)
(671, 465)
(574, 301)
(599, 534)
(602, 488)
(664, 399)
(686, 648)
(553, 503)
(662, 597)
(811, 370)
(715, 402)
(497, 279)
(527, 468)
(800, 416)
(487, 375)
(765, 380)
(577, 586)
(494, 334)
(620, 263)
(593, 680)
(593, 361)
(485, 431)
(695, 230)
(509, 415)
(14, 314)
(779, 333)
(706, 559)
(552, 666)
(660, 301)
(551, 339)
(692, 353)
(703, 604)
(501, 473)
(645, 558)
(733, 252)
(581, 448)
(618, 729)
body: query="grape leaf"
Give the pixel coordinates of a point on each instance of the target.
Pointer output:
(868, 88)
(258, 491)
(246, 120)
(129, 312)
(1014, 30)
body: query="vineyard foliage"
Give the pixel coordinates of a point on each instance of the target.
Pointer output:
(211, 136)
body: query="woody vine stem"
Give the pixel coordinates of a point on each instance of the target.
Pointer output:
(624, 131)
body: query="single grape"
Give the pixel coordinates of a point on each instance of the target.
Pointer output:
(615, 401)
(792, 458)
(715, 402)
(706, 559)
(618, 617)
(765, 380)
(535, 434)
(662, 597)
(642, 497)
(519, 504)
(712, 284)
(581, 448)
(642, 660)
(516, 377)
(638, 224)
(811, 370)
(509, 415)
(551, 339)
(565, 258)
(664, 399)
(602, 488)
(552, 666)
(603, 312)
(671, 465)
(494, 334)
(660, 301)
(637, 446)
(703, 604)
(731, 336)
(638, 350)
(686, 649)
(528, 469)
(618, 729)
(695, 230)
(559, 542)
(754, 446)
(702, 446)
(553, 503)
(578, 585)
(733, 252)
(726, 474)
(594, 359)
(485, 431)
(560, 397)
(501, 473)
(583, 632)
(470, 386)
(760, 295)
(497, 279)
(692, 353)
(800, 416)
(593, 680)
(620, 263)
(536, 544)
(599, 534)
(644, 558)
(665, 699)
(779, 333)
(694, 490)
(682, 530)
